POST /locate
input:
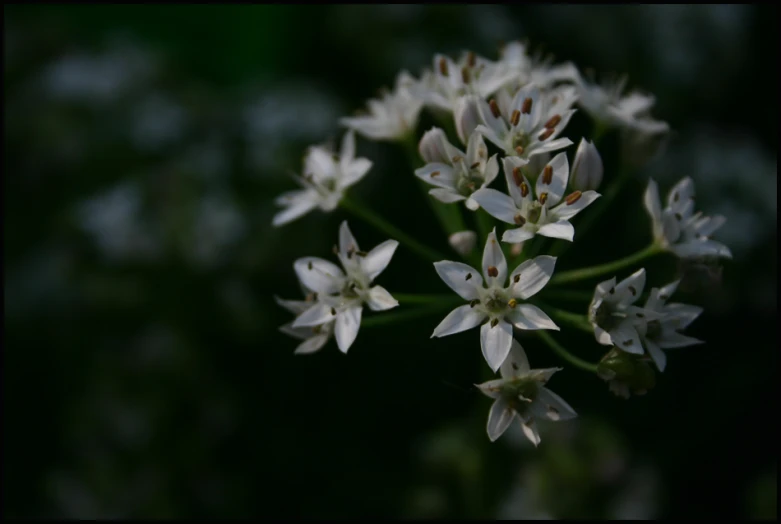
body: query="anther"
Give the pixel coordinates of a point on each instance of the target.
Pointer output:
(526, 108)
(333, 311)
(545, 135)
(434, 174)
(512, 303)
(640, 315)
(547, 174)
(519, 150)
(675, 197)
(517, 176)
(475, 165)
(465, 75)
(517, 278)
(443, 66)
(474, 302)
(543, 198)
(632, 290)
(471, 59)
(494, 322)
(492, 271)
(309, 265)
(494, 108)
(678, 217)
(627, 342)
(515, 117)
(612, 290)
(514, 365)
(361, 253)
(456, 159)
(553, 122)
(519, 220)
(468, 276)
(524, 189)
(573, 197)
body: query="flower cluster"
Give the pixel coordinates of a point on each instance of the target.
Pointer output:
(512, 113)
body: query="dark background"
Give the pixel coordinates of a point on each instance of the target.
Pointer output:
(144, 375)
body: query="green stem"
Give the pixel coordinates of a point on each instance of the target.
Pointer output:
(610, 267)
(394, 232)
(414, 298)
(383, 319)
(568, 295)
(573, 319)
(566, 355)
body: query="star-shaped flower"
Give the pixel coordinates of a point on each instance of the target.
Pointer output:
(495, 305)
(325, 179)
(456, 174)
(314, 337)
(521, 392)
(342, 294)
(677, 228)
(547, 214)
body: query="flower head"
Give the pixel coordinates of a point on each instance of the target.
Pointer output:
(543, 212)
(492, 302)
(521, 392)
(326, 177)
(342, 294)
(391, 117)
(456, 174)
(677, 228)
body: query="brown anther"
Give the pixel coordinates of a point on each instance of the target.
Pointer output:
(350, 252)
(465, 75)
(543, 198)
(573, 197)
(612, 290)
(468, 276)
(678, 217)
(512, 303)
(456, 159)
(517, 176)
(443, 66)
(361, 253)
(474, 302)
(494, 322)
(471, 59)
(663, 297)
(475, 165)
(514, 365)
(310, 297)
(524, 189)
(519, 150)
(547, 174)
(333, 311)
(627, 342)
(526, 108)
(515, 117)
(640, 315)
(675, 197)
(494, 108)
(434, 174)
(632, 290)
(353, 286)
(517, 278)
(553, 122)
(519, 220)
(546, 134)
(309, 265)
(471, 186)
(492, 271)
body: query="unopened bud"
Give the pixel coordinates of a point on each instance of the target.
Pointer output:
(432, 146)
(586, 168)
(626, 373)
(463, 241)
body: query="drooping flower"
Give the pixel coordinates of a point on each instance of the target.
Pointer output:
(314, 337)
(544, 213)
(614, 319)
(664, 333)
(495, 305)
(521, 392)
(677, 228)
(587, 167)
(391, 117)
(456, 174)
(342, 294)
(326, 177)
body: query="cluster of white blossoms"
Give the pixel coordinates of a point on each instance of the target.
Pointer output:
(511, 113)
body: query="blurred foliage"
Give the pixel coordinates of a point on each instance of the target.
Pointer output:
(143, 147)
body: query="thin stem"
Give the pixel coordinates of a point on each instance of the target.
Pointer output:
(566, 294)
(383, 319)
(573, 319)
(394, 232)
(566, 355)
(414, 298)
(610, 267)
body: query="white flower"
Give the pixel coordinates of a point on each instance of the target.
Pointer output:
(677, 228)
(471, 75)
(663, 333)
(547, 214)
(314, 337)
(342, 294)
(587, 167)
(615, 320)
(494, 305)
(456, 174)
(528, 123)
(326, 177)
(521, 392)
(533, 70)
(463, 241)
(606, 104)
(393, 116)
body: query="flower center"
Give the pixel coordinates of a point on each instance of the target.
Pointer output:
(654, 329)
(605, 318)
(469, 180)
(534, 212)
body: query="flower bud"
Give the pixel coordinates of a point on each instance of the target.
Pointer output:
(432, 146)
(587, 167)
(463, 241)
(626, 373)
(467, 116)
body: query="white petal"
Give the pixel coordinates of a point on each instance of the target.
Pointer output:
(466, 116)
(500, 417)
(603, 288)
(653, 205)
(559, 229)
(354, 171)
(314, 316)
(706, 226)
(667, 291)
(379, 299)
(670, 226)
(461, 278)
(347, 154)
(496, 204)
(509, 164)
(602, 336)
(625, 337)
(294, 306)
(491, 170)
(311, 345)
(534, 275)
(492, 388)
(319, 163)
(444, 176)
(296, 208)
(318, 275)
(516, 363)
(680, 194)
(671, 339)
(657, 355)
(515, 236)
(495, 342)
(448, 196)
(549, 146)
(494, 258)
(378, 258)
(701, 248)
(301, 333)
(491, 135)
(630, 289)
(528, 316)
(681, 315)
(458, 320)
(431, 146)
(561, 410)
(348, 322)
(558, 183)
(347, 242)
(531, 432)
(567, 211)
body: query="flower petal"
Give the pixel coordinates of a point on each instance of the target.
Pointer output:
(567, 211)
(681, 315)
(630, 289)
(530, 430)
(654, 206)
(348, 322)
(448, 196)
(444, 177)
(500, 417)
(555, 407)
(496, 204)
(347, 242)
(318, 275)
(672, 339)
(431, 146)
(301, 333)
(559, 229)
(314, 316)
(294, 306)
(495, 342)
(532, 275)
(549, 146)
(657, 355)
(492, 388)
(558, 181)
(378, 258)
(494, 258)
(354, 171)
(515, 236)
(516, 363)
(458, 320)
(625, 337)
(379, 299)
(296, 207)
(680, 194)
(528, 316)
(311, 345)
(509, 164)
(459, 277)
(701, 248)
